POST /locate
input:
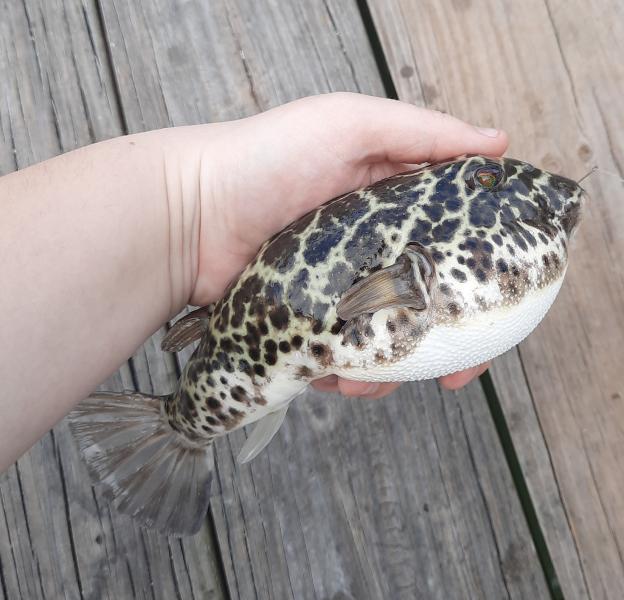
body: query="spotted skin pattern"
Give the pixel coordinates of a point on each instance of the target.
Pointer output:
(277, 326)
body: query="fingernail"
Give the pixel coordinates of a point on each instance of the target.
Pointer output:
(488, 131)
(370, 389)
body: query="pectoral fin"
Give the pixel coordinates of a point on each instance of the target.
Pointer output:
(406, 283)
(187, 330)
(262, 434)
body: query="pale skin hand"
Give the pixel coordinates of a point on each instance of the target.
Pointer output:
(101, 246)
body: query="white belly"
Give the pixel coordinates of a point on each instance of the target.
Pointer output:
(449, 348)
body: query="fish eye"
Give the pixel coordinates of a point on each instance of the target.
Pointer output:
(487, 177)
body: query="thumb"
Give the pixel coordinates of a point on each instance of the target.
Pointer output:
(371, 129)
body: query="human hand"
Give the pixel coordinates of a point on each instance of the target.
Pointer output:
(274, 167)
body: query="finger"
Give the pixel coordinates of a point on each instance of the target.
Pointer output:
(458, 380)
(384, 390)
(365, 388)
(388, 130)
(326, 384)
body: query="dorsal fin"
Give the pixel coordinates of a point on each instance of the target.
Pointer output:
(188, 329)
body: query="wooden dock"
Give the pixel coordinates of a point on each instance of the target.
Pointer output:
(511, 488)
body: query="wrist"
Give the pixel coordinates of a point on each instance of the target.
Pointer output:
(187, 181)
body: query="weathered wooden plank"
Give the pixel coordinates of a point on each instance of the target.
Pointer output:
(549, 73)
(58, 539)
(408, 497)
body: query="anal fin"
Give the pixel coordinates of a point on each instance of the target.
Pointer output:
(263, 433)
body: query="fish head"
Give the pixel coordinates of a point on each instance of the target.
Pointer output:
(488, 247)
(544, 199)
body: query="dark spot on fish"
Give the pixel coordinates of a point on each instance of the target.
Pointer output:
(481, 215)
(238, 394)
(356, 329)
(392, 216)
(254, 354)
(501, 265)
(337, 326)
(252, 337)
(519, 241)
(391, 326)
(304, 372)
(435, 212)
(403, 318)
(453, 309)
(273, 292)
(296, 342)
(454, 204)
(459, 275)
(339, 279)
(317, 326)
(279, 317)
(280, 253)
(445, 289)
(213, 403)
(259, 370)
(318, 350)
(257, 308)
(284, 347)
(420, 232)
(249, 289)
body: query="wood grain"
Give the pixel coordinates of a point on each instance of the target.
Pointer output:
(57, 538)
(548, 72)
(409, 497)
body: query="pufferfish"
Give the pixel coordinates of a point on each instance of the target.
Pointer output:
(416, 276)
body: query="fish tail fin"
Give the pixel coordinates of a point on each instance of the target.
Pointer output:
(153, 473)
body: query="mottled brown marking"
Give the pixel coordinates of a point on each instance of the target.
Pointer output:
(304, 372)
(322, 353)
